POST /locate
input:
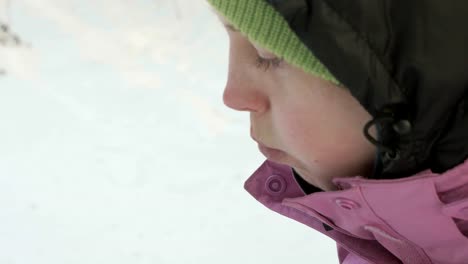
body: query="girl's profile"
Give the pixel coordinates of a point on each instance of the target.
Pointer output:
(361, 110)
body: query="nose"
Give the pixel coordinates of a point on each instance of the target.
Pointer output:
(243, 93)
(244, 98)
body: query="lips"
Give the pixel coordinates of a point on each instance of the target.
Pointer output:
(271, 153)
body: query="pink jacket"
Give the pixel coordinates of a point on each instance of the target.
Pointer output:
(421, 219)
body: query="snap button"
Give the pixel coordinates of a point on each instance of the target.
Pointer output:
(275, 185)
(347, 204)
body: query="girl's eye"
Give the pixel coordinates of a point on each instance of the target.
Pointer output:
(266, 64)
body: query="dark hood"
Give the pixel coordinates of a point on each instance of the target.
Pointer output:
(407, 64)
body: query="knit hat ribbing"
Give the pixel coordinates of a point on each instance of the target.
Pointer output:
(262, 24)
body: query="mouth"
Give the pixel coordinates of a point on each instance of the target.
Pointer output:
(272, 154)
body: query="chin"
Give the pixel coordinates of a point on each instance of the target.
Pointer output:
(274, 155)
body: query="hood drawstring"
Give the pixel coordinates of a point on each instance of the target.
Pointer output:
(391, 127)
(378, 122)
(397, 127)
(389, 153)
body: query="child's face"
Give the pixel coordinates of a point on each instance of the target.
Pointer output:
(298, 119)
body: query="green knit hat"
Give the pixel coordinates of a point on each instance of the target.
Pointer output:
(262, 24)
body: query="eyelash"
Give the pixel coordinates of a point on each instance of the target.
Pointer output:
(267, 64)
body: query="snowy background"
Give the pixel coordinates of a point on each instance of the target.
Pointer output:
(115, 146)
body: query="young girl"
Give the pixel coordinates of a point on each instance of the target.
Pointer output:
(361, 109)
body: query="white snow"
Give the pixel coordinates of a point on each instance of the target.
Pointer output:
(115, 146)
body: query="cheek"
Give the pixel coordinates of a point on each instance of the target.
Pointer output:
(319, 125)
(301, 131)
(317, 133)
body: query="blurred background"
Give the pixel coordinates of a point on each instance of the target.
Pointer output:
(115, 146)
